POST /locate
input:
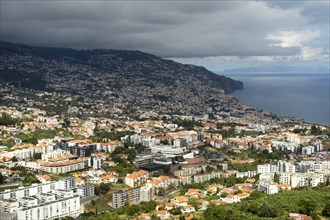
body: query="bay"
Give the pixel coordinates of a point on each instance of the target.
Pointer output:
(303, 96)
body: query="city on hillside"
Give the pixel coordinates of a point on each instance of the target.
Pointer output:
(86, 163)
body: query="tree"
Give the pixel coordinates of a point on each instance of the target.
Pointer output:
(93, 202)
(154, 217)
(315, 130)
(176, 211)
(223, 195)
(133, 209)
(315, 216)
(167, 169)
(67, 218)
(2, 179)
(326, 210)
(307, 206)
(7, 120)
(161, 192)
(66, 123)
(104, 188)
(14, 159)
(276, 178)
(256, 195)
(36, 156)
(267, 211)
(131, 154)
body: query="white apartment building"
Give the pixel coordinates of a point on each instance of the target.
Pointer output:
(49, 206)
(136, 179)
(189, 171)
(27, 151)
(190, 136)
(246, 174)
(145, 140)
(35, 189)
(146, 193)
(286, 167)
(180, 142)
(307, 179)
(308, 150)
(199, 178)
(281, 145)
(285, 178)
(314, 166)
(53, 200)
(266, 168)
(297, 138)
(267, 186)
(63, 166)
(96, 163)
(321, 167)
(8, 206)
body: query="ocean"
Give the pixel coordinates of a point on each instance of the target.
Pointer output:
(303, 96)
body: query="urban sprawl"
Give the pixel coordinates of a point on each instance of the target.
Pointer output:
(76, 164)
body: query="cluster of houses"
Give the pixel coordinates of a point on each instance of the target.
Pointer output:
(199, 199)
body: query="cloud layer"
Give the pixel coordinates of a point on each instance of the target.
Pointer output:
(184, 29)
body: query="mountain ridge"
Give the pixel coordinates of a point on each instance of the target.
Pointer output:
(121, 76)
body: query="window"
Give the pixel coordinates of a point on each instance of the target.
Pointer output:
(12, 195)
(63, 207)
(26, 192)
(39, 189)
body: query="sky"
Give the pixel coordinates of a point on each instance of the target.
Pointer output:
(219, 35)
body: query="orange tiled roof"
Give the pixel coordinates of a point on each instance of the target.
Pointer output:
(161, 212)
(181, 199)
(187, 206)
(46, 177)
(137, 174)
(230, 196)
(242, 195)
(171, 204)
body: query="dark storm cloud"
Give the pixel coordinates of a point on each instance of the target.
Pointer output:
(317, 11)
(169, 29)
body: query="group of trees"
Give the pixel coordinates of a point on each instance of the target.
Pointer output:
(244, 167)
(131, 154)
(264, 155)
(7, 120)
(101, 189)
(312, 202)
(187, 124)
(131, 210)
(124, 212)
(102, 136)
(2, 179)
(7, 142)
(315, 130)
(27, 177)
(38, 134)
